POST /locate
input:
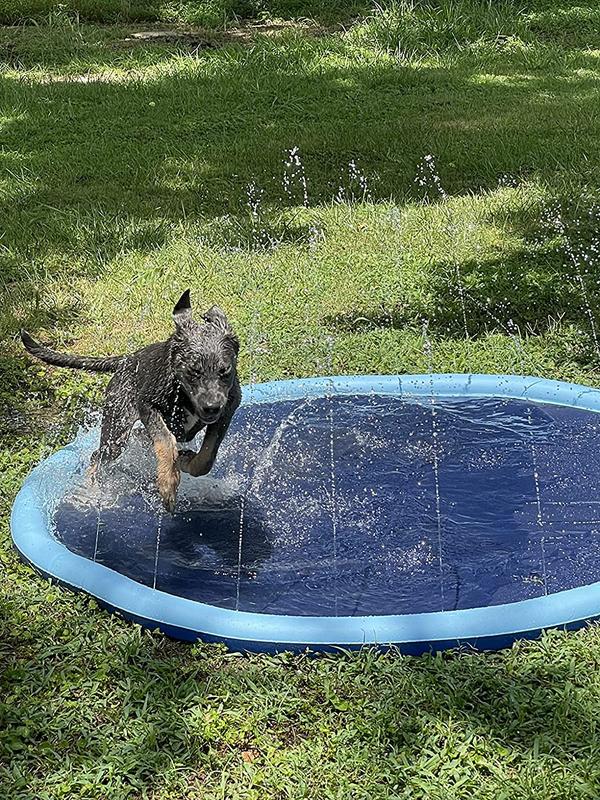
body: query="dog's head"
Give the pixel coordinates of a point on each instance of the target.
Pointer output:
(204, 358)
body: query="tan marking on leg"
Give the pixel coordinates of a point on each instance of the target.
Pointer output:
(92, 472)
(168, 472)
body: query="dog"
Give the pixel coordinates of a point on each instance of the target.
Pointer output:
(176, 388)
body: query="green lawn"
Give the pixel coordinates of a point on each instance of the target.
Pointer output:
(129, 166)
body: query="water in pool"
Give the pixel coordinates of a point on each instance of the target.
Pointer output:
(356, 505)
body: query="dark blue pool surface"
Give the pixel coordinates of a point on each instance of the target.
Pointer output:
(430, 506)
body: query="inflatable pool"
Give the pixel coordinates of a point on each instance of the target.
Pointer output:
(422, 511)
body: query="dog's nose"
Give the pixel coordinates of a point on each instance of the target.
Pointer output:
(211, 411)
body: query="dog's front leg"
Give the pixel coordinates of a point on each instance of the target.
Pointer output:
(201, 463)
(165, 447)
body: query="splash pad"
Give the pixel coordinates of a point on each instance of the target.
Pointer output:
(422, 511)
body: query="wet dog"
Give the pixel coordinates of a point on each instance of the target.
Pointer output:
(176, 388)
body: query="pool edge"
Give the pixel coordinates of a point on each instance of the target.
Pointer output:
(491, 627)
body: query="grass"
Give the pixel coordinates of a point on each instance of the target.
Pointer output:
(187, 12)
(127, 170)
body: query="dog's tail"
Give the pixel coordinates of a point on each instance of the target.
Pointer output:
(65, 360)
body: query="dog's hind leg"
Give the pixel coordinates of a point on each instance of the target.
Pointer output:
(165, 447)
(117, 421)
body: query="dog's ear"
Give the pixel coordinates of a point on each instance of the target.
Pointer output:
(182, 313)
(217, 317)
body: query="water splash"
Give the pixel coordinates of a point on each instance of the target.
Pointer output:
(507, 181)
(333, 502)
(316, 237)
(579, 260)
(435, 455)
(261, 238)
(253, 348)
(294, 177)
(157, 551)
(353, 186)
(461, 294)
(386, 553)
(533, 455)
(538, 499)
(267, 458)
(428, 180)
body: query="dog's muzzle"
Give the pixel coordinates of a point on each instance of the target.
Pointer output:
(209, 414)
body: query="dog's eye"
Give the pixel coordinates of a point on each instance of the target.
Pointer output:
(225, 372)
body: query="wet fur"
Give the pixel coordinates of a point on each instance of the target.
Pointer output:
(168, 386)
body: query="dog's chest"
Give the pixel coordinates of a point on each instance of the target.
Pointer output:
(190, 421)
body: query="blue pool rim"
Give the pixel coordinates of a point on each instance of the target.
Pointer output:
(485, 628)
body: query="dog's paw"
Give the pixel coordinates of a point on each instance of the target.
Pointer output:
(195, 464)
(168, 483)
(169, 503)
(184, 458)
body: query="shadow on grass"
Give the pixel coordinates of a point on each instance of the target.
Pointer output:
(201, 12)
(96, 165)
(525, 293)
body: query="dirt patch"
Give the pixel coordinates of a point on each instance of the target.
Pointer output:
(190, 40)
(105, 76)
(245, 34)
